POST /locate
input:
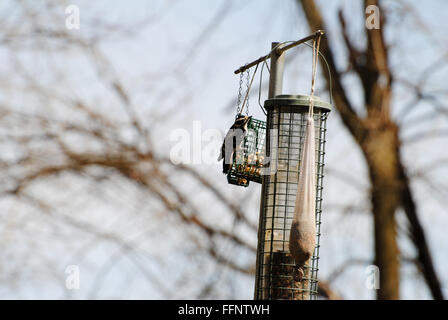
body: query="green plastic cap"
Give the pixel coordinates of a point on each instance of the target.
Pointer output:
(297, 100)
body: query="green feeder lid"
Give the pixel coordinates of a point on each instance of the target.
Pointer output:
(297, 100)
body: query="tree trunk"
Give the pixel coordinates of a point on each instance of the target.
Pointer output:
(378, 139)
(381, 151)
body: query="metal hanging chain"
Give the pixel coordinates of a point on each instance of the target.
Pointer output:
(247, 90)
(240, 90)
(249, 85)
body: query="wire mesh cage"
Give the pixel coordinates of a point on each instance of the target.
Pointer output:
(249, 160)
(286, 124)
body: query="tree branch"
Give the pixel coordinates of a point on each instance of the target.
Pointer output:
(342, 103)
(418, 237)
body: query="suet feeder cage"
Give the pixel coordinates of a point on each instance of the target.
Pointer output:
(286, 125)
(248, 161)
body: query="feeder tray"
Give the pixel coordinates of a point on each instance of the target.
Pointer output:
(248, 161)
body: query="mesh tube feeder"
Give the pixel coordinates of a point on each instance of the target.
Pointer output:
(285, 131)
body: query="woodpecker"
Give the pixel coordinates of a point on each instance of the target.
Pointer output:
(233, 141)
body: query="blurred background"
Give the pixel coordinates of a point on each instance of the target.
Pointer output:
(95, 187)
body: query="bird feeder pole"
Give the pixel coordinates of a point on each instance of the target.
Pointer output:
(275, 88)
(276, 75)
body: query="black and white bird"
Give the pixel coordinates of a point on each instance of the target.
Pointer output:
(233, 141)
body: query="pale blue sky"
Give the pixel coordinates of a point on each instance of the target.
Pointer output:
(148, 63)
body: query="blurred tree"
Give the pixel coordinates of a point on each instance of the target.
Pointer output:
(83, 166)
(377, 135)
